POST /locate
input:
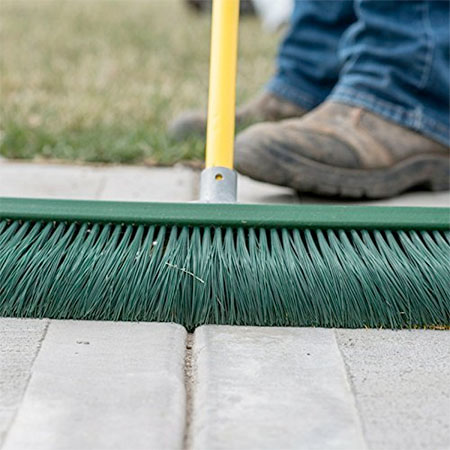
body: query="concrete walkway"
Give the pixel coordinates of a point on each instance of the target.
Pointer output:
(102, 385)
(177, 184)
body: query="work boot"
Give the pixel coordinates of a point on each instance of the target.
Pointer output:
(265, 107)
(341, 150)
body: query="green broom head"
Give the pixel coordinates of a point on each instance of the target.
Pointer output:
(194, 264)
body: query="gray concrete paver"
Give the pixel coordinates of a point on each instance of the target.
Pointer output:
(401, 381)
(271, 388)
(20, 340)
(124, 183)
(148, 184)
(104, 385)
(49, 181)
(251, 191)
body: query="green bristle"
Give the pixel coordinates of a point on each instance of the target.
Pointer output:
(193, 275)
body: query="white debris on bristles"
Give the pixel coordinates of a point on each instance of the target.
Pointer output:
(182, 269)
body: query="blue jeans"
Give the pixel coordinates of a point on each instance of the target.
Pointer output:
(391, 57)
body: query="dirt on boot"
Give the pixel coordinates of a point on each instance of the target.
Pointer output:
(265, 107)
(342, 150)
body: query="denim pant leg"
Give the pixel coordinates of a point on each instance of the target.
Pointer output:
(395, 62)
(308, 64)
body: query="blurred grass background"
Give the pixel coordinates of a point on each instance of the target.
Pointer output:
(98, 80)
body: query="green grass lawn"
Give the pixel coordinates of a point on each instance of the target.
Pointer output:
(98, 80)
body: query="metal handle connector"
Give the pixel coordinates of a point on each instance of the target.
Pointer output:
(218, 185)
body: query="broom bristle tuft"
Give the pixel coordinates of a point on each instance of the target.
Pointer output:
(200, 275)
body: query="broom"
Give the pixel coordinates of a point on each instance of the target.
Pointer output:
(220, 262)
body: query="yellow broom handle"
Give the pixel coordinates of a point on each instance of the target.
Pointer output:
(222, 84)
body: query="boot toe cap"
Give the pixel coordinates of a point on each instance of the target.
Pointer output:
(271, 151)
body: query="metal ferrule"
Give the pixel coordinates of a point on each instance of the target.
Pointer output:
(218, 185)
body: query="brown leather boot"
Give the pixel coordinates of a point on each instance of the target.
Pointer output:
(265, 107)
(341, 150)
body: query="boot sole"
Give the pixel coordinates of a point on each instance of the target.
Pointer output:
(430, 172)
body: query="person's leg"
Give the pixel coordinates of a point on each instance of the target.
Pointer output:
(308, 68)
(396, 63)
(385, 126)
(308, 64)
